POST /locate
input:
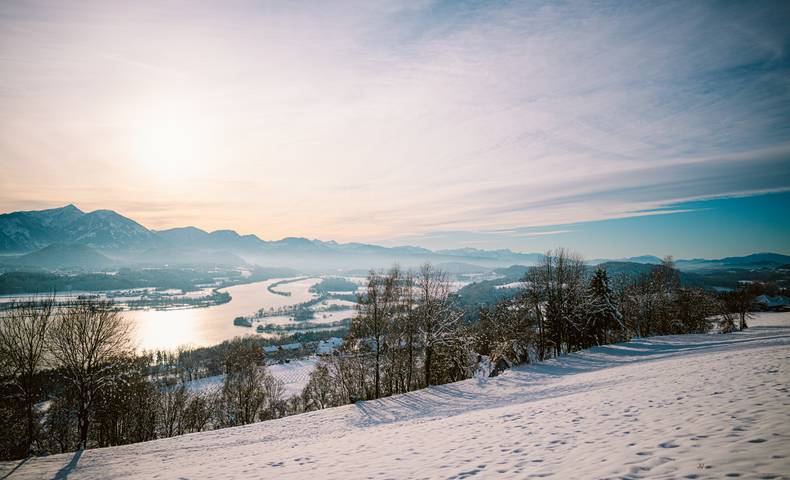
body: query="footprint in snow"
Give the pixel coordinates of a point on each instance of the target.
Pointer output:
(669, 444)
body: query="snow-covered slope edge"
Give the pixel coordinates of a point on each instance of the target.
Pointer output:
(696, 406)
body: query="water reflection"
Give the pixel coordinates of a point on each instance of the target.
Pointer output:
(168, 329)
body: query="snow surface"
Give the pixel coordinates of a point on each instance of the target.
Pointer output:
(331, 302)
(770, 301)
(693, 406)
(293, 375)
(325, 347)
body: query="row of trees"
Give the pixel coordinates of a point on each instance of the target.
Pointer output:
(408, 323)
(71, 380)
(407, 334)
(563, 308)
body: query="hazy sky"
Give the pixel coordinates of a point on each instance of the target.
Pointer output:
(444, 124)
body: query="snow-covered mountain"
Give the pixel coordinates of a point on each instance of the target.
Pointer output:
(101, 229)
(107, 230)
(126, 240)
(685, 406)
(31, 230)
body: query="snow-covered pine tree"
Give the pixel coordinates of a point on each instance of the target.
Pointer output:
(605, 321)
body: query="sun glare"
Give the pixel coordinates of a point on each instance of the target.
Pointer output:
(170, 139)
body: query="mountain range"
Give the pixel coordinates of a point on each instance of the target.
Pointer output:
(65, 237)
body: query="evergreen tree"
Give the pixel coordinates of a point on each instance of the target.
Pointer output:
(604, 321)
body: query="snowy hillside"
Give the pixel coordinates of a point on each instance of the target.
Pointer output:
(694, 406)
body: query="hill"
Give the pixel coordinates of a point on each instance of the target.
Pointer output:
(646, 259)
(753, 261)
(61, 256)
(644, 409)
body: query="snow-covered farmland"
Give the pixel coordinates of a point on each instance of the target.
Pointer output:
(334, 302)
(318, 318)
(693, 406)
(293, 376)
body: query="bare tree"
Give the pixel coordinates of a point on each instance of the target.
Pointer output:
(23, 335)
(200, 410)
(408, 327)
(173, 405)
(318, 393)
(506, 332)
(437, 317)
(741, 301)
(127, 409)
(555, 287)
(87, 337)
(376, 314)
(249, 393)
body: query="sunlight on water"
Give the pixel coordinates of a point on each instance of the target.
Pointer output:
(168, 329)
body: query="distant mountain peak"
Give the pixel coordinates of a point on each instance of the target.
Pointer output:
(296, 240)
(182, 229)
(71, 207)
(225, 233)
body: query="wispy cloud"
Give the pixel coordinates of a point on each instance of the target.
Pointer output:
(544, 233)
(372, 120)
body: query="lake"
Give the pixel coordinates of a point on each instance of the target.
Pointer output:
(169, 329)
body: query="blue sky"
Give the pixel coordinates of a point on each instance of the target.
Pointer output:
(699, 229)
(437, 123)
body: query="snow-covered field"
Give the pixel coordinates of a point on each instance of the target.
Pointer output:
(294, 375)
(332, 302)
(318, 318)
(694, 406)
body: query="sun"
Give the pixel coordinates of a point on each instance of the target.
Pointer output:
(170, 139)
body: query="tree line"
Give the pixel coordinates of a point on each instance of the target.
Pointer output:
(409, 332)
(72, 380)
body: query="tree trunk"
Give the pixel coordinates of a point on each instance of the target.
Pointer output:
(541, 338)
(428, 358)
(30, 423)
(378, 375)
(411, 364)
(84, 423)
